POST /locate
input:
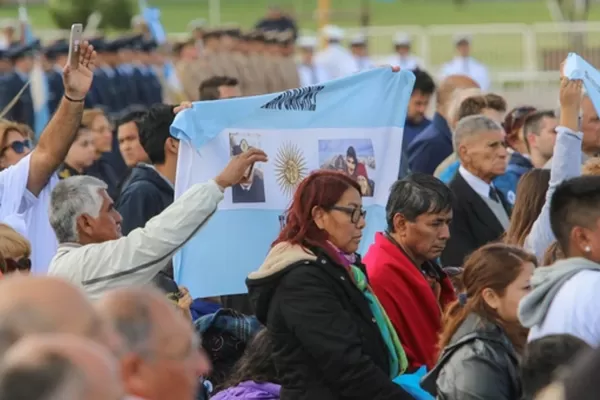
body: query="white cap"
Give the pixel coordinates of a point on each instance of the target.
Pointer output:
(198, 23)
(402, 39)
(137, 20)
(358, 40)
(307, 42)
(333, 32)
(462, 37)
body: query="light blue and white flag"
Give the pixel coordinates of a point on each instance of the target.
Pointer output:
(577, 68)
(152, 18)
(40, 91)
(352, 124)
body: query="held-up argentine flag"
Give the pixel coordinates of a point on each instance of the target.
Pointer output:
(577, 68)
(352, 124)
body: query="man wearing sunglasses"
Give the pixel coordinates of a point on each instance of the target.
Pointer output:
(24, 186)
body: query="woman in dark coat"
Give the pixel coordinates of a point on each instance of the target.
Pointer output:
(331, 337)
(482, 337)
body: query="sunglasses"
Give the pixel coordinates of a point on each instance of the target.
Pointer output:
(516, 119)
(355, 213)
(17, 146)
(22, 265)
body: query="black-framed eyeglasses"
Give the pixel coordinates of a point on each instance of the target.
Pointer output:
(22, 265)
(355, 213)
(18, 147)
(516, 119)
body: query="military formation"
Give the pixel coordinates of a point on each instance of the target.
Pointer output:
(262, 61)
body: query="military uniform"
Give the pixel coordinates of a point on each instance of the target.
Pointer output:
(12, 83)
(54, 73)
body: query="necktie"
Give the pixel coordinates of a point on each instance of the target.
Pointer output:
(494, 194)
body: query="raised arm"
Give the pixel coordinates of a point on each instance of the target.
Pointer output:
(59, 134)
(566, 163)
(147, 250)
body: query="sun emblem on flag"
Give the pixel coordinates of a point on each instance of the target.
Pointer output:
(290, 167)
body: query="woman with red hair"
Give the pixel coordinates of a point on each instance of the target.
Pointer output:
(331, 337)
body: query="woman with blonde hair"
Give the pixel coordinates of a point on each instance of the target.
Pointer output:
(15, 251)
(482, 338)
(107, 166)
(15, 142)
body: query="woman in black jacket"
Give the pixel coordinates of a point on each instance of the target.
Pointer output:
(331, 338)
(482, 337)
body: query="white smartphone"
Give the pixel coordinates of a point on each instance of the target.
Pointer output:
(74, 43)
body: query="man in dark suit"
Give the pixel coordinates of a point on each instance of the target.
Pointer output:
(434, 143)
(481, 213)
(22, 111)
(251, 192)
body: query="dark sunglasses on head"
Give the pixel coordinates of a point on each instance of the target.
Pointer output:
(355, 213)
(23, 265)
(17, 146)
(516, 119)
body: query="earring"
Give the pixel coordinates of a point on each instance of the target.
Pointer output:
(587, 249)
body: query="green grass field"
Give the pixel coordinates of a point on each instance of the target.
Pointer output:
(501, 51)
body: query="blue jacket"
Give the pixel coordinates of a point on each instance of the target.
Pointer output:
(411, 131)
(507, 183)
(431, 147)
(144, 195)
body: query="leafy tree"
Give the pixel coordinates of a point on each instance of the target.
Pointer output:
(68, 12)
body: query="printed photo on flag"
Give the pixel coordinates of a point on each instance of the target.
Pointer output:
(352, 124)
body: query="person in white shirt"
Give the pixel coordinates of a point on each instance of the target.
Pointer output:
(336, 59)
(403, 57)
(359, 49)
(162, 357)
(464, 64)
(309, 71)
(93, 255)
(26, 185)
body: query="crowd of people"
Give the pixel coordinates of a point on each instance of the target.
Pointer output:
(482, 285)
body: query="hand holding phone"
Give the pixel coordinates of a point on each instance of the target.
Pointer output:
(74, 43)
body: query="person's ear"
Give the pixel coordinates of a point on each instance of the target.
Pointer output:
(532, 140)
(463, 153)
(85, 224)
(581, 238)
(172, 146)
(319, 216)
(491, 298)
(400, 224)
(132, 373)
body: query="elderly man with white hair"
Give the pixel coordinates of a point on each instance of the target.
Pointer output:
(481, 213)
(92, 253)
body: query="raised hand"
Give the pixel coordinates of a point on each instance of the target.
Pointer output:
(235, 171)
(78, 81)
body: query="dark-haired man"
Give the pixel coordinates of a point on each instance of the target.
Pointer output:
(544, 358)
(219, 87)
(129, 139)
(412, 288)
(416, 121)
(149, 188)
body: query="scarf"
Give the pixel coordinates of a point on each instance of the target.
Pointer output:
(398, 361)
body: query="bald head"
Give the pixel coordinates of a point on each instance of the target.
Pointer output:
(59, 367)
(36, 304)
(153, 330)
(448, 87)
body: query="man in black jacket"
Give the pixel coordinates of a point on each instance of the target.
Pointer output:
(149, 188)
